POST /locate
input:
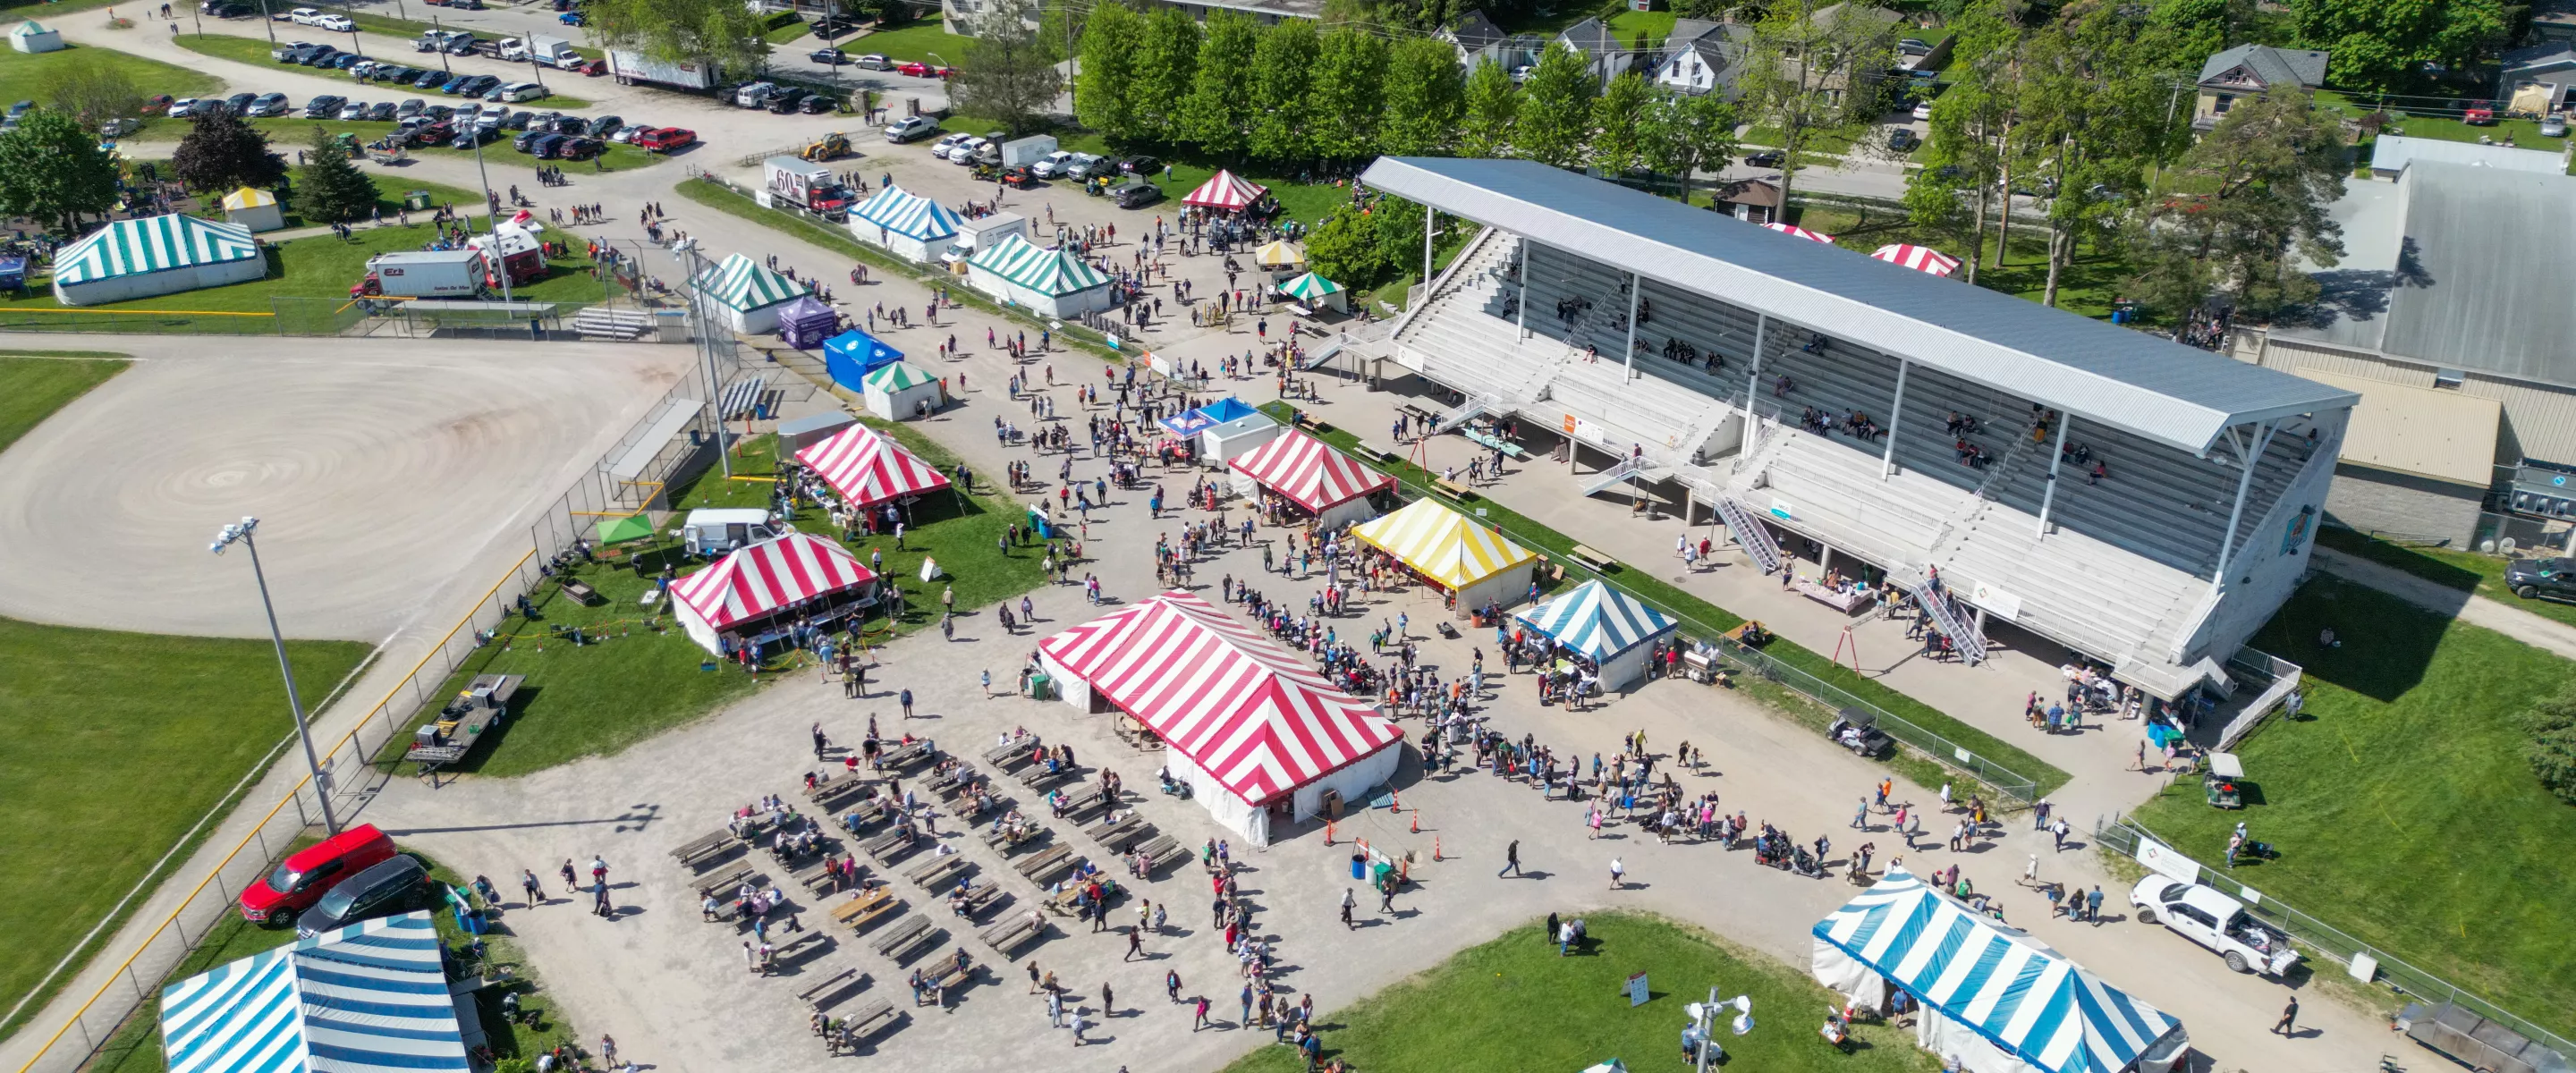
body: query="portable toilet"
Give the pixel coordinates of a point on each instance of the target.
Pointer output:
(254, 208)
(30, 36)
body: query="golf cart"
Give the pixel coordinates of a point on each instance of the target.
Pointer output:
(2219, 782)
(1858, 731)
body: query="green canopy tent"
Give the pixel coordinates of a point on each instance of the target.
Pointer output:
(620, 530)
(1314, 290)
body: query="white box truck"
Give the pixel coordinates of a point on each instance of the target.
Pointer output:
(976, 234)
(1024, 152)
(424, 274)
(633, 67)
(713, 532)
(806, 185)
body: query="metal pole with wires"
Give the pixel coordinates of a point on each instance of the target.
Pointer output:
(242, 531)
(693, 263)
(491, 201)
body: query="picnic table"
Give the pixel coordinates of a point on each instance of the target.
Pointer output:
(816, 877)
(705, 850)
(1007, 839)
(820, 995)
(1085, 801)
(866, 908)
(862, 814)
(1158, 850)
(1011, 754)
(1591, 558)
(1379, 452)
(1040, 776)
(1114, 835)
(1062, 902)
(864, 1022)
(834, 798)
(1452, 487)
(834, 785)
(1481, 439)
(731, 878)
(908, 755)
(956, 975)
(938, 872)
(1009, 935)
(1845, 602)
(783, 951)
(980, 895)
(907, 938)
(891, 845)
(1046, 863)
(946, 785)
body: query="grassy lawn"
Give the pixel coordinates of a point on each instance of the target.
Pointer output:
(924, 41)
(637, 675)
(1304, 202)
(23, 75)
(2088, 285)
(1512, 1003)
(2441, 125)
(39, 385)
(2400, 800)
(2454, 567)
(136, 1046)
(256, 50)
(1708, 619)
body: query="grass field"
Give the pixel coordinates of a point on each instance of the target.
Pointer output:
(2088, 285)
(922, 42)
(1708, 618)
(2401, 803)
(38, 386)
(23, 75)
(2468, 571)
(256, 50)
(1513, 1004)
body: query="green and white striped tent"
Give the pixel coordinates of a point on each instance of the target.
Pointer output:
(748, 293)
(156, 255)
(1314, 290)
(894, 392)
(1052, 282)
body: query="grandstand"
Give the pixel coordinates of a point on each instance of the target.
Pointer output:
(1914, 422)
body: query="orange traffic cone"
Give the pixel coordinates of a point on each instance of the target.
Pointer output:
(1328, 832)
(1417, 822)
(1394, 801)
(1435, 847)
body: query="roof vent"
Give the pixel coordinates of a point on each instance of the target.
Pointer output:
(2449, 378)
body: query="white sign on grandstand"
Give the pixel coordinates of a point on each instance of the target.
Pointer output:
(1996, 602)
(1780, 509)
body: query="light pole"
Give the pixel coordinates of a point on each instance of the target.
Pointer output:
(492, 202)
(241, 531)
(693, 264)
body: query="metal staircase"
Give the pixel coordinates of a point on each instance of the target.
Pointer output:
(1627, 469)
(1945, 617)
(1478, 404)
(1750, 534)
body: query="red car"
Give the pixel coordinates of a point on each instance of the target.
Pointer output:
(943, 72)
(915, 68)
(309, 873)
(665, 139)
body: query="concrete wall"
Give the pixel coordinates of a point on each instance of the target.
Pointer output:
(2402, 504)
(2265, 572)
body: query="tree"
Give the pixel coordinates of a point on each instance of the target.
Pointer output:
(725, 32)
(1811, 74)
(2097, 109)
(1688, 133)
(1426, 94)
(2248, 205)
(1219, 112)
(1167, 67)
(1363, 246)
(1282, 81)
(1007, 73)
(1492, 112)
(1972, 127)
(1345, 96)
(1619, 132)
(221, 153)
(52, 170)
(2378, 45)
(1105, 99)
(91, 91)
(1556, 108)
(2199, 29)
(2552, 726)
(330, 189)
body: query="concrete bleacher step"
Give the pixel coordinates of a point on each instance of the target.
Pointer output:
(598, 323)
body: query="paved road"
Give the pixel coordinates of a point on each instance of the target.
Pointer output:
(2504, 618)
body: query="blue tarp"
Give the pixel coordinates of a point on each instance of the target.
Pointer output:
(852, 355)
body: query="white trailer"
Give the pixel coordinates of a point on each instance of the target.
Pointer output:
(1027, 151)
(632, 67)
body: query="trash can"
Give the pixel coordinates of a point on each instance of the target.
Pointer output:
(1041, 687)
(417, 201)
(1359, 866)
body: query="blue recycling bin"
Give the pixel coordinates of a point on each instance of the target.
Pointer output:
(1359, 866)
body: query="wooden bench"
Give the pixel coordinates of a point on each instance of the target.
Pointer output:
(908, 755)
(1455, 489)
(817, 877)
(1591, 558)
(1011, 755)
(698, 847)
(1010, 935)
(831, 800)
(891, 845)
(866, 812)
(981, 895)
(865, 1022)
(820, 995)
(884, 907)
(1038, 777)
(1379, 452)
(834, 785)
(861, 904)
(1085, 801)
(1010, 839)
(797, 945)
(902, 941)
(946, 785)
(710, 886)
(1115, 835)
(1047, 862)
(954, 976)
(938, 872)
(1158, 852)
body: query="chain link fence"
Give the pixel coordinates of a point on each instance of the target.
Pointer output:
(2317, 938)
(112, 1020)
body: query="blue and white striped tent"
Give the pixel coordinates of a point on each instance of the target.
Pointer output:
(1598, 621)
(904, 222)
(1994, 998)
(365, 998)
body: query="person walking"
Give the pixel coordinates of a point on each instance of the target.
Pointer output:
(1247, 1007)
(1860, 816)
(1511, 864)
(2288, 1025)
(1033, 976)
(1172, 985)
(536, 891)
(1078, 1026)
(1349, 901)
(1199, 1019)
(2093, 906)
(1618, 874)
(572, 882)
(1135, 943)
(1108, 1000)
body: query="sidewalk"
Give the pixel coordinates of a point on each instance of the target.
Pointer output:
(2466, 606)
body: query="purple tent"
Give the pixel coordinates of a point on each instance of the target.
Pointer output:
(805, 323)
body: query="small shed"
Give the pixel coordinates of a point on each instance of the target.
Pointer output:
(254, 208)
(32, 36)
(900, 392)
(1754, 201)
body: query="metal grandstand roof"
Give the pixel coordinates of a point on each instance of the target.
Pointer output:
(2149, 386)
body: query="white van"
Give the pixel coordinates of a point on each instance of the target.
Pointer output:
(715, 531)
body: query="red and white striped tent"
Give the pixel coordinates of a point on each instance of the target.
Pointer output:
(1329, 484)
(1791, 229)
(1225, 191)
(1251, 726)
(756, 581)
(1918, 258)
(867, 468)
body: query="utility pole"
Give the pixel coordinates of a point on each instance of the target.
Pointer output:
(241, 531)
(694, 263)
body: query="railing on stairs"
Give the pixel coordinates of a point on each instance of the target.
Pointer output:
(1961, 631)
(1476, 405)
(1750, 534)
(1628, 468)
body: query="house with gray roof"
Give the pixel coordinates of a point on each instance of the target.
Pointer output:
(2248, 71)
(1702, 57)
(2539, 78)
(1607, 54)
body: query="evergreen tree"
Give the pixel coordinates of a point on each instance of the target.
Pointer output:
(1345, 96)
(221, 152)
(330, 189)
(1105, 94)
(1218, 115)
(1426, 95)
(1556, 108)
(1492, 112)
(2247, 207)
(1166, 72)
(1282, 80)
(52, 170)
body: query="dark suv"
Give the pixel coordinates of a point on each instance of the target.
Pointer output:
(2541, 579)
(393, 886)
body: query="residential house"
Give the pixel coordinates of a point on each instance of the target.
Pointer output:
(1702, 57)
(1476, 38)
(1603, 50)
(2249, 70)
(1877, 20)
(2541, 78)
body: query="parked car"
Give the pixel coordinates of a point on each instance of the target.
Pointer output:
(438, 112)
(1139, 166)
(338, 24)
(1768, 158)
(965, 152)
(523, 91)
(1020, 177)
(1052, 165)
(326, 106)
(915, 68)
(408, 108)
(430, 79)
(303, 16)
(527, 142)
(784, 101)
(309, 873)
(1136, 193)
(517, 121)
(941, 147)
(545, 146)
(2203, 915)
(239, 103)
(1902, 140)
(579, 148)
(462, 44)
(158, 104)
(476, 86)
(355, 110)
(604, 126)
(2553, 126)
(816, 104)
(394, 885)
(1922, 110)
(348, 61)
(664, 139)
(231, 10)
(831, 57)
(873, 62)
(382, 112)
(753, 94)
(2541, 579)
(910, 128)
(184, 107)
(1088, 166)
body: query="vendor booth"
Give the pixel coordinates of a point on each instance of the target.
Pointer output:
(1228, 427)
(1254, 731)
(32, 36)
(867, 468)
(372, 997)
(1306, 471)
(807, 323)
(904, 224)
(1994, 1000)
(1280, 258)
(155, 255)
(1052, 283)
(1600, 624)
(754, 593)
(745, 295)
(1918, 258)
(255, 209)
(1316, 292)
(1450, 550)
(1225, 192)
(899, 392)
(850, 356)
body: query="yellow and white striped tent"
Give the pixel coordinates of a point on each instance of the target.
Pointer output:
(1279, 255)
(1444, 545)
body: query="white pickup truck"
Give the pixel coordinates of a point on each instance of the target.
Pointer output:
(2216, 921)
